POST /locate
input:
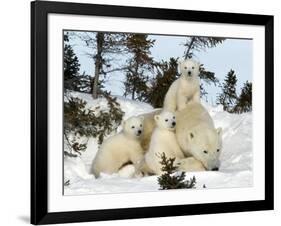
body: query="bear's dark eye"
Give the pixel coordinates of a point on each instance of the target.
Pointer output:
(206, 152)
(185, 67)
(166, 120)
(218, 150)
(174, 117)
(133, 127)
(140, 125)
(192, 67)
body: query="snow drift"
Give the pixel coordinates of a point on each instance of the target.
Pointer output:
(236, 156)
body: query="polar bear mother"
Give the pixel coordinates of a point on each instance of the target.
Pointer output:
(185, 89)
(164, 140)
(197, 135)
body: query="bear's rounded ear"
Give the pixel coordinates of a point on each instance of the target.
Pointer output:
(179, 65)
(219, 131)
(179, 61)
(156, 117)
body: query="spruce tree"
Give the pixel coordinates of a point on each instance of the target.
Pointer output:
(228, 96)
(139, 65)
(71, 65)
(171, 179)
(166, 74)
(244, 101)
(208, 77)
(82, 121)
(197, 44)
(103, 47)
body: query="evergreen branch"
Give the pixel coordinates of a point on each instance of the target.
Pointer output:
(170, 179)
(189, 47)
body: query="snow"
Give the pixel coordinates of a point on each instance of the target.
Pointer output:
(236, 156)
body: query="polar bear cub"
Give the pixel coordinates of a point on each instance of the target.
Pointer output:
(121, 148)
(148, 127)
(198, 137)
(186, 88)
(163, 140)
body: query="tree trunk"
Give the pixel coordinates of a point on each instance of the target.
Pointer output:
(189, 48)
(98, 64)
(135, 80)
(133, 93)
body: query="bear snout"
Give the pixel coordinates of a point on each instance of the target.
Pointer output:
(139, 132)
(215, 169)
(173, 123)
(189, 73)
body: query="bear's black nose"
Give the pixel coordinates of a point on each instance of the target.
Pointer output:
(173, 123)
(215, 169)
(139, 131)
(189, 72)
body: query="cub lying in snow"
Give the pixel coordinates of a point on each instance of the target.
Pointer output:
(163, 140)
(185, 89)
(121, 148)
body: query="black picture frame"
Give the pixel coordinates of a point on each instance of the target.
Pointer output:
(39, 112)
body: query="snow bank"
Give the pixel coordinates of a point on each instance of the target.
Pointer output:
(236, 156)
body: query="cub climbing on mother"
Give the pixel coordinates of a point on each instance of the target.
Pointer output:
(186, 88)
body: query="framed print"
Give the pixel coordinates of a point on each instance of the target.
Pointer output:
(144, 112)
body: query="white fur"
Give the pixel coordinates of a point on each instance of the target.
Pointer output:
(185, 89)
(127, 171)
(148, 127)
(190, 164)
(121, 148)
(163, 140)
(197, 136)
